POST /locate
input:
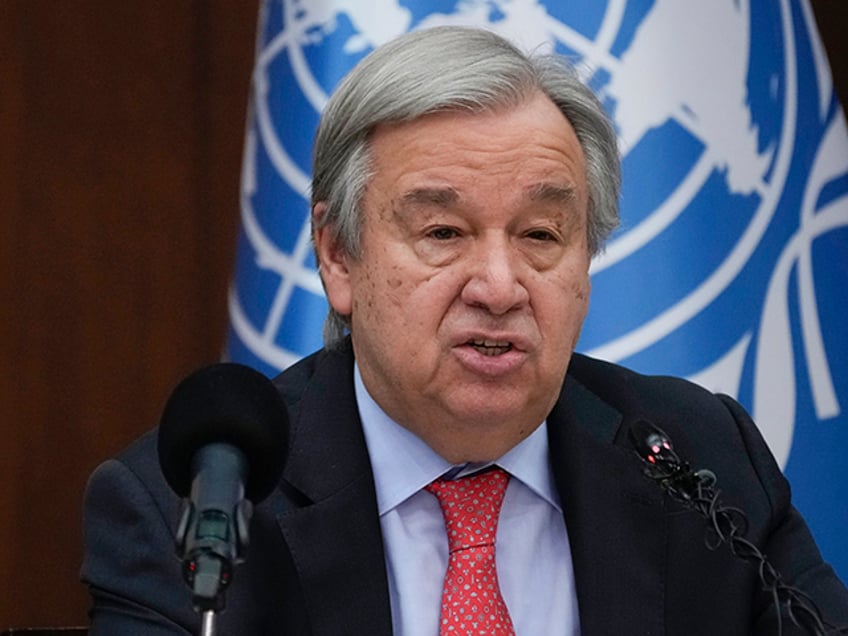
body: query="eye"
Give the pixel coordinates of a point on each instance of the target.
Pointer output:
(443, 233)
(541, 235)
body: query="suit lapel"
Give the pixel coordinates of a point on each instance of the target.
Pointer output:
(334, 537)
(614, 517)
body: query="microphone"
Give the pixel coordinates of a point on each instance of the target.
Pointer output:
(222, 443)
(673, 474)
(695, 490)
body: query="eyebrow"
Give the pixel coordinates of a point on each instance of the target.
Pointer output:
(442, 197)
(552, 193)
(445, 197)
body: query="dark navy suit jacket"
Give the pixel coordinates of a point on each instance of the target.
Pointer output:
(316, 564)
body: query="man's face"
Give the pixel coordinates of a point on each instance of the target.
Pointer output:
(472, 284)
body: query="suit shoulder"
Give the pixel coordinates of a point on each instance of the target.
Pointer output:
(700, 422)
(140, 460)
(628, 389)
(293, 382)
(707, 429)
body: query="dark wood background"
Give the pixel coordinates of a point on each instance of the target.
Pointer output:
(121, 128)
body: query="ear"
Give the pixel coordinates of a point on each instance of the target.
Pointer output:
(334, 264)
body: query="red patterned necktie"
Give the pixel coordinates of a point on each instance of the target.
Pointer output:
(471, 598)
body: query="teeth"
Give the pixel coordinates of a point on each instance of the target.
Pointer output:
(490, 347)
(489, 343)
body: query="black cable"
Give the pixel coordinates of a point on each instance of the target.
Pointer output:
(726, 525)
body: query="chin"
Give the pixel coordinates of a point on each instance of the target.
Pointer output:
(491, 412)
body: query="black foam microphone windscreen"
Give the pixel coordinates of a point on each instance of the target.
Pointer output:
(225, 403)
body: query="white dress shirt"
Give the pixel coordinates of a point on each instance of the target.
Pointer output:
(532, 552)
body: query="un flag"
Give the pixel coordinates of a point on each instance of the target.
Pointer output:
(731, 266)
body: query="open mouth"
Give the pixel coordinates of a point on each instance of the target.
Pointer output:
(490, 347)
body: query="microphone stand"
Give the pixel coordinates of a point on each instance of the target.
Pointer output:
(207, 625)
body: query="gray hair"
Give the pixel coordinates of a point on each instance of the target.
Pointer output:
(448, 69)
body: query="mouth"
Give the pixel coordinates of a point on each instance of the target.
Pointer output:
(490, 347)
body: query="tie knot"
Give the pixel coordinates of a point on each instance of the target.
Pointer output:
(470, 507)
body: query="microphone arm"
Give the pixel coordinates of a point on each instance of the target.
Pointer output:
(695, 490)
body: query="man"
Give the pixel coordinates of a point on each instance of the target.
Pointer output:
(460, 190)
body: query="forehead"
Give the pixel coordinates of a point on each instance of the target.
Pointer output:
(529, 148)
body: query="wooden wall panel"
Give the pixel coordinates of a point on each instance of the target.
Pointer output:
(832, 19)
(121, 127)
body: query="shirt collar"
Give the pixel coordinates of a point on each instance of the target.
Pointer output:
(403, 463)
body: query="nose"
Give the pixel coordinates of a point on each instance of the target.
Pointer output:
(494, 277)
